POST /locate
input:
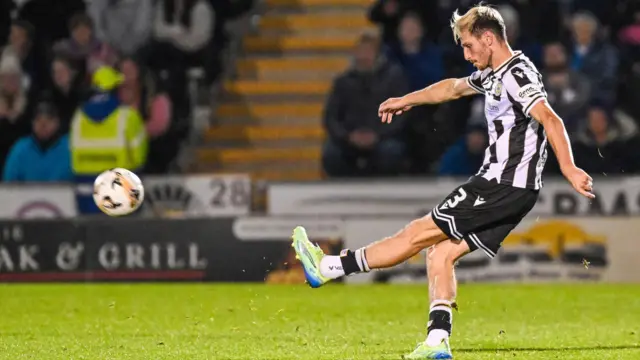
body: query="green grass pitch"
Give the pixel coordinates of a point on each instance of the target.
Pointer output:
(200, 321)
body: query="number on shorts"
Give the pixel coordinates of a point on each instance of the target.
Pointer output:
(453, 202)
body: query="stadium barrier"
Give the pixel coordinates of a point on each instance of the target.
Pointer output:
(231, 195)
(615, 196)
(257, 249)
(188, 196)
(540, 249)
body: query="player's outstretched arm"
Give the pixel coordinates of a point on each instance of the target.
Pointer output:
(442, 91)
(559, 139)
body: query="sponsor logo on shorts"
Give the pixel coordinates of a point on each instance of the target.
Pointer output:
(479, 201)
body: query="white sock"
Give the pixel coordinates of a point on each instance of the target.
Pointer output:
(362, 260)
(331, 267)
(436, 335)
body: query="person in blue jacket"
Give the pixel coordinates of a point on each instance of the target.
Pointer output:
(44, 155)
(464, 157)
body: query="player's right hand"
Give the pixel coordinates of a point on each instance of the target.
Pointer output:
(393, 106)
(581, 181)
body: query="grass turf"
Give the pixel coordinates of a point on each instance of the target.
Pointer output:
(176, 321)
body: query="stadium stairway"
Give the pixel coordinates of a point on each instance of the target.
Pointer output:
(268, 118)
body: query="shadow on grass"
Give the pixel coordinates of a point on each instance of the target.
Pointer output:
(584, 348)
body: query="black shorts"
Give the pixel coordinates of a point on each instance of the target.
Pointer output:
(483, 213)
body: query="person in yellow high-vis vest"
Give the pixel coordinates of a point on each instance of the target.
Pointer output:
(105, 134)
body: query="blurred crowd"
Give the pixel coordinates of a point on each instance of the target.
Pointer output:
(68, 64)
(587, 50)
(88, 85)
(74, 74)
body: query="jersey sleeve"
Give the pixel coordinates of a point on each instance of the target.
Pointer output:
(525, 87)
(475, 81)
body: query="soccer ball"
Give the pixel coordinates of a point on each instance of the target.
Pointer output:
(118, 192)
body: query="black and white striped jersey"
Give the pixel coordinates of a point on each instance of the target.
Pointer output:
(517, 148)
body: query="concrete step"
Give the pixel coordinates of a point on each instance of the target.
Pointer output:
(263, 133)
(282, 111)
(302, 63)
(304, 32)
(297, 165)
(224, 157)
(276, 175)
(262, 144)
(268, 121)
(248, 88)
(315, 21)
(309, 68)
(267, 137)
(329, 44)
(299, 75)
(318, 3)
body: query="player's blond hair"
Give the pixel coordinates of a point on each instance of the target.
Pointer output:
(478, 19)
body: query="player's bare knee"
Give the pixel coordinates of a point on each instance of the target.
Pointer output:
(457, 250)
(436, 260)
(424, 233)
(441, 256)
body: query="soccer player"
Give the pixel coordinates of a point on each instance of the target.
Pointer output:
(480, 213)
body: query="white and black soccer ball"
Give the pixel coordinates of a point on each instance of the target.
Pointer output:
(118, 192)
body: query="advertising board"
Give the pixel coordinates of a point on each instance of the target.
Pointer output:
(538, 250)
(615, 196)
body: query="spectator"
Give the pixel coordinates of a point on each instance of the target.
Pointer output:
(185, 24)
(181, 35)
(105, 134)
(126, 25)
(139, 91)
(226, 10)
(629, 40)
(388, 13)
(21, 46)
(50, 19)
(181, 30)
(420, 59)
(358, 143)
(465, 157)
(531, 49)
(537, 19)
(66, 91)
(606, 143)
(6, 8)
(42, 156)
(595, 58)
(568, 91)
(142, 91)
(83, 48)
(14, 105)
(603, 11)
(630, 34)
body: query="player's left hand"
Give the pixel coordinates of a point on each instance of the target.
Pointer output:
(581, 181)
(393, 106)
